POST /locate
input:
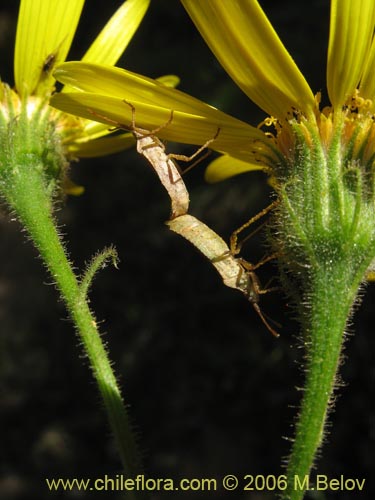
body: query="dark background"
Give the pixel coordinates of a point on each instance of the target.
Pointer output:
(211, 392)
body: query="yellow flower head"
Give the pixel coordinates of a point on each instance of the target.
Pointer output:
(45, 32)
(243, 40)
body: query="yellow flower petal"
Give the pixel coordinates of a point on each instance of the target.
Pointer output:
(226, 166)
(194, 122)
(243, 40)
(169, 80)
(103, 146)
(367, 87)
(71, 188)
(94, 129)
(117, 82)
(44, 34)
(116, 35)
(234, 136)
(351, 31)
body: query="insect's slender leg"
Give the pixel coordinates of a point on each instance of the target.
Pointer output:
(252, 267)
(265, 322)
(268, 290)
(117, 125)
(252, 293)
(195, 163)
(187, 159)
(132, 127)
(245, 263)
(144, 132)
(235, 247)
(253, 279)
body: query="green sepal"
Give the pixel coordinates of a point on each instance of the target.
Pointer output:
(29, 140)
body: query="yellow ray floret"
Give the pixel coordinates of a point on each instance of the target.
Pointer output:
(367, 87)
(37, 49)
(351, 32)
(226, 166)
(102, 146)
(104, 90)
(93, 131)
(234, 136)
(245, 43)
(116, 35)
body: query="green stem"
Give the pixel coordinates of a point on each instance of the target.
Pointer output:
(26, 192)
(324, 233)
(330, 303)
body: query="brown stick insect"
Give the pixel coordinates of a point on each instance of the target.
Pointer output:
(235, 272)
(164, 164)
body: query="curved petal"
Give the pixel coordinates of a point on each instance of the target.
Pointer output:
(72, 188)
(367, 86)
(102, 146)
(94, 129)
(111, 42)
(119, 84)
(243, 40)
(226, 166)
(45, 31)
(167, 120)
(351, 31)
(169, 80)
(123, 84)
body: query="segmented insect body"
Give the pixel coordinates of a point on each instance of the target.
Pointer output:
(235, 272)
(153, 150)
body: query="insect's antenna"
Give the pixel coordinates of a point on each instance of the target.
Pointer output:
(265, 322)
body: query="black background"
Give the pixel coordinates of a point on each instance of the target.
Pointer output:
(211, 392)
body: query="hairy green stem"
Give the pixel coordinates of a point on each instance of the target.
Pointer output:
(25, 191)
(330, 306)
(326, 240)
